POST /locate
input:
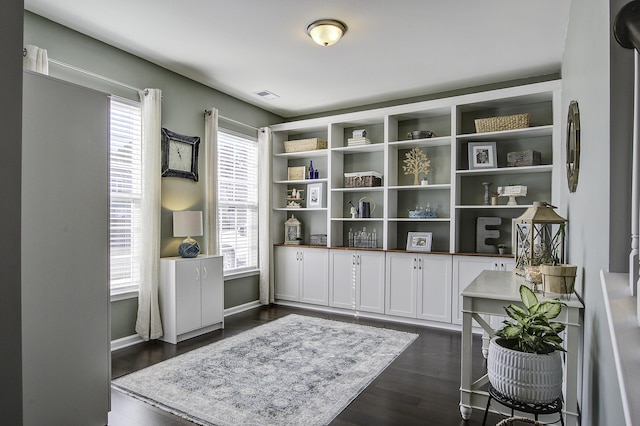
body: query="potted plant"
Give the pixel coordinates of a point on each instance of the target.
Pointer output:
(524, 361)
(502, 248)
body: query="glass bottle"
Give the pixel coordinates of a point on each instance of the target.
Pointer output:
(350, 238)
(311, 171)
(316, 174)
(374, 239)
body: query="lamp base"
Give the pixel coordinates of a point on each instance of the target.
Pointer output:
(189, 248)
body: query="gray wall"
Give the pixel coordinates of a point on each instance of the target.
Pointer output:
(10, 194)
(594, 212)
(183, 104)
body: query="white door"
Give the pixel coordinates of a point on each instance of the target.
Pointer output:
(315, 276)
(287, 273)
(188, 312)
(370, 282)
(342, 265)
(212, 290)
(400, 294)
(434, 288)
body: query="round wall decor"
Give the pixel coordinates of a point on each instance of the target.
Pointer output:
(573, 145)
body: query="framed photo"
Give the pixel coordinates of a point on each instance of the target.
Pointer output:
(482, 155)
(419, 241)
(179, 155)
(315, 195)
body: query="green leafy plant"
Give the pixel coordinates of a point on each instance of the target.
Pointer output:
(502, 246)
(532, 332)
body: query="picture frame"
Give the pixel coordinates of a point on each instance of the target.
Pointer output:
(315, 195)
(482, 155)
(419, 241)
(179, 155)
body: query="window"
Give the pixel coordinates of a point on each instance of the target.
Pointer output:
(125, 182)
(238, 201)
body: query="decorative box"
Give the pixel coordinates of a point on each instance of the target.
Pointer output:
(506, 122)
(524, 158)
(297, 173)
(362, 179)
(299, 145)
(318, 239)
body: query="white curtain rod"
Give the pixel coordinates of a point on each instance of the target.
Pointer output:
(110, 80)
(119, 83)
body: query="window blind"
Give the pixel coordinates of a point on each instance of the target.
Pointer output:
(238, 201)
(125, 181)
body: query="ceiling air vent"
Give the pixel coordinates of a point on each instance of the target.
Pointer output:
(265, 94)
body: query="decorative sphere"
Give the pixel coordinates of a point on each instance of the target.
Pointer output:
(189, 249)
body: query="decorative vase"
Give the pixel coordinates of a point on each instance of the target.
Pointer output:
(189, 248)
(524, 377)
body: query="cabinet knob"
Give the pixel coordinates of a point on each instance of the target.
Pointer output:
(414, 263)
(197, 274)
(204, 272)
(420, 264)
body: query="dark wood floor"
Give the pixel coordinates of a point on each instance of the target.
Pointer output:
(419, 388)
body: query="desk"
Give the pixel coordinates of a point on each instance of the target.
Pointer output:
(488, 294)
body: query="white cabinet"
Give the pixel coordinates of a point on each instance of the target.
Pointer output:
(357, 280)
(301, 274)
(418, 286)
(466, 269)
(191, 296)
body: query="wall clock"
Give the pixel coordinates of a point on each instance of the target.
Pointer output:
(179, 155)
(573, 145)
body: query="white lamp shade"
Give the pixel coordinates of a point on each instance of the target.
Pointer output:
(326, 32)
(187, 224)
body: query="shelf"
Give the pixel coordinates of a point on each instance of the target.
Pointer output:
(361, 189)
(529, 132)
(436, 186)
(546, 168)
(499, 206)
(410, 143)
(299, 209)
(303, 154)
(300, 182)
(373, 147)
(417, 219)
(357, 219)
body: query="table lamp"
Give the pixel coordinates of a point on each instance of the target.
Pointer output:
(188, 224)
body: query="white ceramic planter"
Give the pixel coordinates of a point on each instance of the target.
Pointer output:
(525, 377)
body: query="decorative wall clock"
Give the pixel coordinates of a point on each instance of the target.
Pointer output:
(179, 155)
(573, 145)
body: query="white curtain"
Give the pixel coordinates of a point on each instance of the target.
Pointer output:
(265, 249)
(35, 59)
(211, 181)
(148, 324)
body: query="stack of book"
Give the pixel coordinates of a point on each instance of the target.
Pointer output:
(358, 141)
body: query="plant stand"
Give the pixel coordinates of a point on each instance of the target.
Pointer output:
(535, 409)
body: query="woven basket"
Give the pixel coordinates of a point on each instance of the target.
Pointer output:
(506, 122)
(299, 145)
(516, 421)
(525, 377)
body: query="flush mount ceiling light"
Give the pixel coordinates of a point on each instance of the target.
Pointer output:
(326, 32)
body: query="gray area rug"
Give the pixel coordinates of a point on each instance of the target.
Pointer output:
(296, 370)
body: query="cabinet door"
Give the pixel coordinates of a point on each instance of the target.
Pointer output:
(315, 276)
(212, 290)
(287, 273)
(188, 313)
(434, 288)
(400, 289)
(370, 281)
(342, 265)
(465, 270)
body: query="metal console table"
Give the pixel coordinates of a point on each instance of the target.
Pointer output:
(488, 294)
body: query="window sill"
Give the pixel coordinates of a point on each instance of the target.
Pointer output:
(123, 295)
(242, 274)
(621, 309)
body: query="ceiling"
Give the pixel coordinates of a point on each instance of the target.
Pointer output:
(392, 49)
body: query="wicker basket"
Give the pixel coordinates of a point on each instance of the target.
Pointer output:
(506, 122)
(517, 421)
(299, 145)
(362, 179)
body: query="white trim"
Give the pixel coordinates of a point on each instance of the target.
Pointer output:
(124, 342)
(241, 308)
(123, 295)
(241, 274)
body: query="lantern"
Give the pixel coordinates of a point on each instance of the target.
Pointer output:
(540, 238)
(292, 231)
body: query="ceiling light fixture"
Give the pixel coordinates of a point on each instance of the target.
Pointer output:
(326, 32)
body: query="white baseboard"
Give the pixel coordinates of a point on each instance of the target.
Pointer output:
(242, 308)
(125, 342)
(135, 339)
